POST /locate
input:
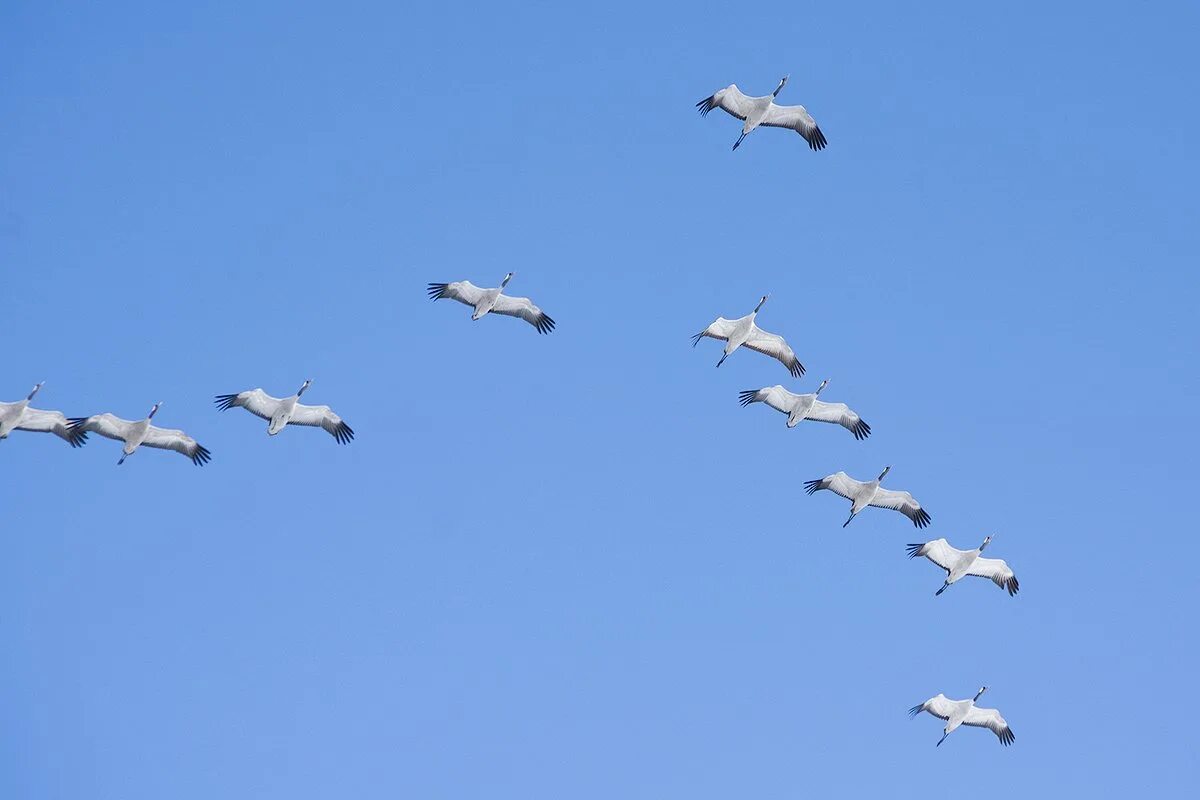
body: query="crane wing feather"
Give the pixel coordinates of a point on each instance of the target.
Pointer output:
(54, 422)
(773, 345)
(523, 308)
(256, 401)
(939, 552)
(322, 417)
(839, 483)
(730, 100)
(177, 440)
(997, 571)
(107, 425)
(990, 718)
(839, 414)
(902, 502)
(721, 329)
(798, 119)
(462, 291)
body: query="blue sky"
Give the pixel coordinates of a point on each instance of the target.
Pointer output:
(571, 565)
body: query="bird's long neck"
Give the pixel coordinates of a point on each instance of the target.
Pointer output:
(153, 411)
(978, 695)
(504, 282)
(885, 472)
(778, 89)
(821, 388)
(303, 388)
(36, 389)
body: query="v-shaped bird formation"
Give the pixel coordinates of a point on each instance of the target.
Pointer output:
(742, 332)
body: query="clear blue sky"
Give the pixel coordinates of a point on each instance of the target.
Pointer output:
(571, 565)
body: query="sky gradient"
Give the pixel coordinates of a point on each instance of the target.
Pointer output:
(571, 565)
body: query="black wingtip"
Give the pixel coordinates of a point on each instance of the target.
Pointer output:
(544, 324)
(818, 140)
(812, 486)
(224, 401)
(914, 550)
(343, 433)
(202, 456)
(696, 339)
(921, 518)
(1013, 586)
(862, 430)
(747, 396)
(796, 368)
(912, 712)
(706, 105)
(75, 422)
(436, 290)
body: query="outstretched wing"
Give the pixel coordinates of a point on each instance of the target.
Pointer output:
(462, 291)
(322, 417)
(939, 552)
(524, 308)
(730, 99)
(839, 414)
(52, 422)
(719, 329)
(990, 718)
(997, 571)
(256, 401)
(180, 442)
(798, 119)
(109, 426)
(940, 706)
(902, 502)
(839, 483)
(774, 346)
(776, 397)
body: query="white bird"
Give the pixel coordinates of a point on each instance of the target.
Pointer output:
(800, 407)
(136, 434)
(743, 331)
(869, 493)
(288, 411)
(755, 111)
(959, 563)
(491, 300)
(19, 416)
(965, 712)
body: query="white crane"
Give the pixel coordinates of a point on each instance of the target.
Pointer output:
(863, 494)
(136, 434)
(965, 712)
(19, 416)
(743, 331)
(287, 411)
(800, 407)
(755, 111)
(959, 563)
(491, 300)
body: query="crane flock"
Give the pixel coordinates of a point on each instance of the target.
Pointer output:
(736, 333)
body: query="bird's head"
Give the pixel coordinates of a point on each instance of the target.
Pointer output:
(304, 386)
(824, 383)
(761, 302)
(979, 694)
